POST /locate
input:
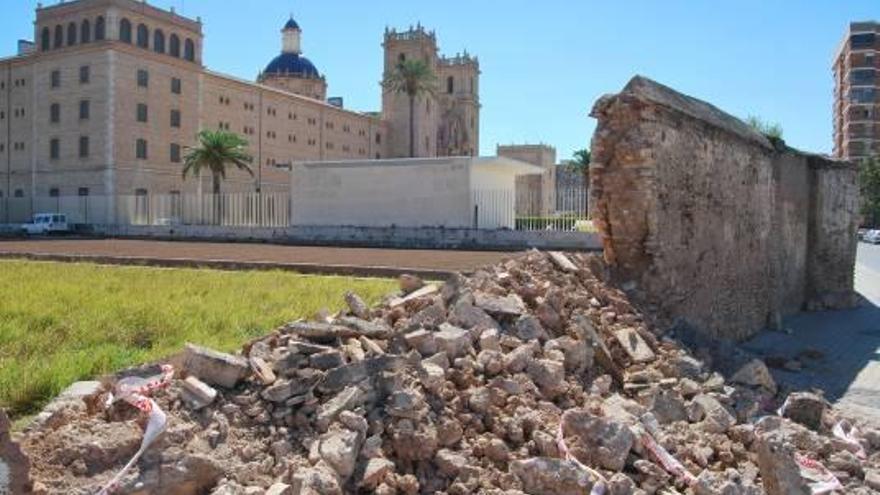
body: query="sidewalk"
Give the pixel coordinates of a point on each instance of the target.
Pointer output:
(845, 345)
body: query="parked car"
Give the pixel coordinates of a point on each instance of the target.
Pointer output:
(46, 223)
(861, 234)
(872, 237)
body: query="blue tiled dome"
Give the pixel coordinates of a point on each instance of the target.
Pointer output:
(291, 24)
(291, 64)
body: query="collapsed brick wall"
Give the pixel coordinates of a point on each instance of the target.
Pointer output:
(713, 222)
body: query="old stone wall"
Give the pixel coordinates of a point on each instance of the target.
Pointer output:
(712, 221)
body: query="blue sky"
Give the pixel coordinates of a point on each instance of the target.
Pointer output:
(545, 63)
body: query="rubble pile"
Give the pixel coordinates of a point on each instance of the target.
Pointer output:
(532, 376)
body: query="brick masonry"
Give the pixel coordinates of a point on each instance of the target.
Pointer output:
(713, 222)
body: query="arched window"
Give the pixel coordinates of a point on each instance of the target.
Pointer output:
(159, 41)
(189, 50)
(59, 37)
(401, 58)
(100, 31)
(174, 46)
(143, 36)
(125, 30)
(85, 32)
(45, 39)
(71, 34)
(450, 84)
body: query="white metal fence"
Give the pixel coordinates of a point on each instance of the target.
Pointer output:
(566, 210)
(230, 210)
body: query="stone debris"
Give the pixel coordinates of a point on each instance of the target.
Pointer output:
(527, 377)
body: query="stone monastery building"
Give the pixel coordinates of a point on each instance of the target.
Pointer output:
(111, 92)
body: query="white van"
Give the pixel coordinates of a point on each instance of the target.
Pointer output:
(46, 223)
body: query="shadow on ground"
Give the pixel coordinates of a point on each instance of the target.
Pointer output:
(834, 348)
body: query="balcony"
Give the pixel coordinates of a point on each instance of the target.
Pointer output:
(863, 41)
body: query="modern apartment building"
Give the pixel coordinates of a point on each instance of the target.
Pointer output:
(857, 92)
(112, 92)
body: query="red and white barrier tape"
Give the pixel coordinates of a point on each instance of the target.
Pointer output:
(848, 433)
(669, 463)
(601, 483)
(822, 480)
(134, 390)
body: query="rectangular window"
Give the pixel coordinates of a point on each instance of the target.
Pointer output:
(53, 192)
(175, 85)
(175, 118)
(862, 95)
(141, 149)
(84, 109)
(142, 112)
(83, 146)
(175, 153)
(143, 78)
(862, 77)
(56, 78)
(54, 148)
(84, 74)
(862, 40)
(55, 113)
(83, 191)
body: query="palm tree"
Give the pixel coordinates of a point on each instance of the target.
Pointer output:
(413, 78)
(580, 162)
(215, 151)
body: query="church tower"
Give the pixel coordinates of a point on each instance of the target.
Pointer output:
(458, 96)
(291, 71)
(413, 44)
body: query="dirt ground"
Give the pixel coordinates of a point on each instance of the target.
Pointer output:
(414, 259)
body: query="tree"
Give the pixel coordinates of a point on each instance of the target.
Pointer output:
(413, 78)
(772, 131)
(217, 150)
(580, 163)
(869, 185)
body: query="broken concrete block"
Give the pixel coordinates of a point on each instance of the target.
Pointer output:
(715, 417)
(421, 340)
(634, 345)
(529, 328)
(262, 370)
(375, 472)
(561, 260)
(350, 398)
(544, 475)
(424, 291)
(597, 441)
(340, 448)
(507, 306)
(352, 373)
(282, 390)
(779, 469)
(280, 489)
(410, 283)
(197, 393)
(805, 408)
(755, 374)
(366, 328)
(548, 375)
(326, 360)
(357, 306)
(216, 368)
(468, 316)
(320, 332)
(452, 340)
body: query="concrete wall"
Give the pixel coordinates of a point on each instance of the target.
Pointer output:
(389, 237)
(405, 193)
(713, 222)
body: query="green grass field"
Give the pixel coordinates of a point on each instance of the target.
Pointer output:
(62, 322)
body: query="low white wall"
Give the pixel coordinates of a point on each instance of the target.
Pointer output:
(381, 193)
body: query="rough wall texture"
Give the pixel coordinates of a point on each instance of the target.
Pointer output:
(713, 222)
